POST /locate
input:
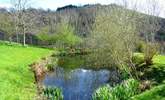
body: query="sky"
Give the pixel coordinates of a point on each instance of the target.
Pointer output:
(142, 5)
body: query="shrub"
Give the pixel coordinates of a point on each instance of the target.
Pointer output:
(52, 64)
(150, 50)
(122, 91)
(50, 67)
(53, 93)
(104, 93)
(66, 35)
(140, 46)
(63, 36)
(138, 59)
(126, 90)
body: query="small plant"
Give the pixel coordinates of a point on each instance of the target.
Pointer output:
(50, 67)
(122, 91)
(126, 90)
(138, 59)
(53, 93)
(52, 63)
(104, 93)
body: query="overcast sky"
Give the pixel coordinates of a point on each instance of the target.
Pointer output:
(142, 5)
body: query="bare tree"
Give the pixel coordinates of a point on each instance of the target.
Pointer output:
(22, 19)
(7, 25)
(150, 25)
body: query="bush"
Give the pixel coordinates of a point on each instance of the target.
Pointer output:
(123, 91)
(63, 36)
(140, 46)
(138, 59)
(66, 35)
(50, 67)
(53, 93)
(52, 64)
(150, 50)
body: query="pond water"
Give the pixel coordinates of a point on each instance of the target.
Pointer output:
(78, 83)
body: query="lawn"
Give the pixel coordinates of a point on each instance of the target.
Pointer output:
(16, 77)
(156, 73)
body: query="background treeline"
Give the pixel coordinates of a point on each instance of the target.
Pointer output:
(46, 21)
(41, 27)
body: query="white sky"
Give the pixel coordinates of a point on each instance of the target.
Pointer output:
(142, 5)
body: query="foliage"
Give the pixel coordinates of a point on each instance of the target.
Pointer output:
(67, 35)
(63, 36)
(50, 67)
(9, 43)
(17, 80)
(43, 34)
(156, 93)
(113, 39)
(138, 59)
(140, 46)
(51, 64)
(71, 62)
(53, 93)
(122, 91)
(156, 74)
(104, 93)
(150, 50)
(7, 25)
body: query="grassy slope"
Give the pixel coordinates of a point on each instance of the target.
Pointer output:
(157, 74)
(16, 78)
(156, 93)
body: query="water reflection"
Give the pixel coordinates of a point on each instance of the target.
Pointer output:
(77, 84)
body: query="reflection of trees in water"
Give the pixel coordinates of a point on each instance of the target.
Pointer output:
(71, 62)
(77, 82)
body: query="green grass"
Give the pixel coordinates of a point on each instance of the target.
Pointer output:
(156, 93)
(159, 59)
(154, 73)
(16, 77)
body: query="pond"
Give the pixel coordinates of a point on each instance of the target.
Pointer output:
(77, 82)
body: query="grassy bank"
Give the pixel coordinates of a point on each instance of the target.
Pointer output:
(155, 73)
(156, 93)
(16, 77)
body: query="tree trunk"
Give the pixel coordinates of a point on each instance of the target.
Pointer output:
(24, 37)
(10, 40)
(17, 38)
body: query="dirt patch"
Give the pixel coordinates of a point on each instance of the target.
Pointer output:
(40, 69)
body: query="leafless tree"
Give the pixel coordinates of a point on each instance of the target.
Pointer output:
(22, 20)
(7, 25)
(150, 25)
